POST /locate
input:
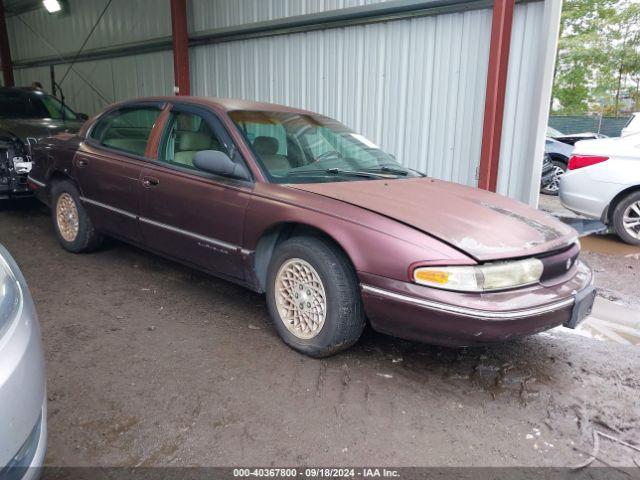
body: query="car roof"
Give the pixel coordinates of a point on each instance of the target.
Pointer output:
(227, 104)
(25, 90)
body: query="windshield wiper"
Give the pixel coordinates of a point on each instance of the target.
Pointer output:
(337, 171)
(397, 170)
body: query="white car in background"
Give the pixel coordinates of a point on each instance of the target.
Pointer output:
(632, 126)
(603, 182)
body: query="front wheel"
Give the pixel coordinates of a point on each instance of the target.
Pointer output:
(626, 218)
(313, 297)
(72, 224)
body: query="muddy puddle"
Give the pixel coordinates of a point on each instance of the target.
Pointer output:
(611, 322)
(608, 245)
(616, 312)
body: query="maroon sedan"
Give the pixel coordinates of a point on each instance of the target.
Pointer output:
(330, 227)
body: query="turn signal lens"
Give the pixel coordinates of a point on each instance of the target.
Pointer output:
(581, 161)
(483, 278)
(432, 276)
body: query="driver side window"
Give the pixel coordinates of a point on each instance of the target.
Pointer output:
(187, 135)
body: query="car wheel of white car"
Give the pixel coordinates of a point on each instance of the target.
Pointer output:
(553, 187)
(626, 218)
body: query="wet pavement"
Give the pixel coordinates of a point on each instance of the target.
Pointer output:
(612, 322)
(616, 315)
(150, 363)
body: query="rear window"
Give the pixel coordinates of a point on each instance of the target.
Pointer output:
(632, 119)
(127, 130)
(19, 105)
(36, 104)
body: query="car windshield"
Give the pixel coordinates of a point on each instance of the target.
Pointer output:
(36, 104)
(301, 148)
(552, 132)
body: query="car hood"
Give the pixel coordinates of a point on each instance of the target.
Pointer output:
(484, 225)
(38, 127)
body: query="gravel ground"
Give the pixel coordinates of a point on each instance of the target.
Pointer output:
(150, 363)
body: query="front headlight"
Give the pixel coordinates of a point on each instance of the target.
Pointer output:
(10, 296)
(482, 278)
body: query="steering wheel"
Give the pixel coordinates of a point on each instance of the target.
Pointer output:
(329, 154)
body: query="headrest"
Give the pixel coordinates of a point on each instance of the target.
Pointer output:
(266, 145)
(195, 141)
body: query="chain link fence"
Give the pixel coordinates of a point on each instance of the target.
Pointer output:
(609, 126)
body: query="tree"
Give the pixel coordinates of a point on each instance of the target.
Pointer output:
(598, 56)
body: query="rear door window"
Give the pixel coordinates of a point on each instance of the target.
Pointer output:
(127, 130)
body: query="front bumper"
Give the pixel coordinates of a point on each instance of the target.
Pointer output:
(15, 186)
(455, 319)
(23, 411)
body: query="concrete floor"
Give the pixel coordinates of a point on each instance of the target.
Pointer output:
(150, 363)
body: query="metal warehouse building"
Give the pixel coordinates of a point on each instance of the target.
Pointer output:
(456, 88)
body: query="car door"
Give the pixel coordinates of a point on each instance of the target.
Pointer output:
(108, 166)
(188, 214)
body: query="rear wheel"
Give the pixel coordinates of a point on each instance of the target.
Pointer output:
(71, 221)
(313, 297)
(626, 218)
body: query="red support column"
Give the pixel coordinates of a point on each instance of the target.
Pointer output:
(496, 85)
(5, 51)
(180, 46)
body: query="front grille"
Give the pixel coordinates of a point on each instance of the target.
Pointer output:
(559, 263)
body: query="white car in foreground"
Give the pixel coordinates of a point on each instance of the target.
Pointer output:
(603, 182)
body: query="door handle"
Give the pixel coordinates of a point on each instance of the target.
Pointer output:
(81, 163)
(149, 182)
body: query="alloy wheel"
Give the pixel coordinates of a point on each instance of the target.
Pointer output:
(300, 298)
(554, 185)
(631, 220)
(67, 217)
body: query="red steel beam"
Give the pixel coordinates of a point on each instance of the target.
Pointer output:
(5, 51)
(180, 47)
(494, 101)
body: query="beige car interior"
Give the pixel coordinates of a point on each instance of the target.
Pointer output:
(190, 143)
(267, 148)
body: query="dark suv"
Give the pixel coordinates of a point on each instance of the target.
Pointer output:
(26, 116)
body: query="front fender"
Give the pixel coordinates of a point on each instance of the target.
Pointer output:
(375, 244)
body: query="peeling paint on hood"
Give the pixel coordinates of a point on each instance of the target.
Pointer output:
(484, 225)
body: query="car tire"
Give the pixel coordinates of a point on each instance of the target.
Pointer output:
(302, 273)
(554, 188)
(74, 228)
(628, 206)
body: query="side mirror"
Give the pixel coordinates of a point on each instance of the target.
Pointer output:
(83, 116)
(218, 163)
